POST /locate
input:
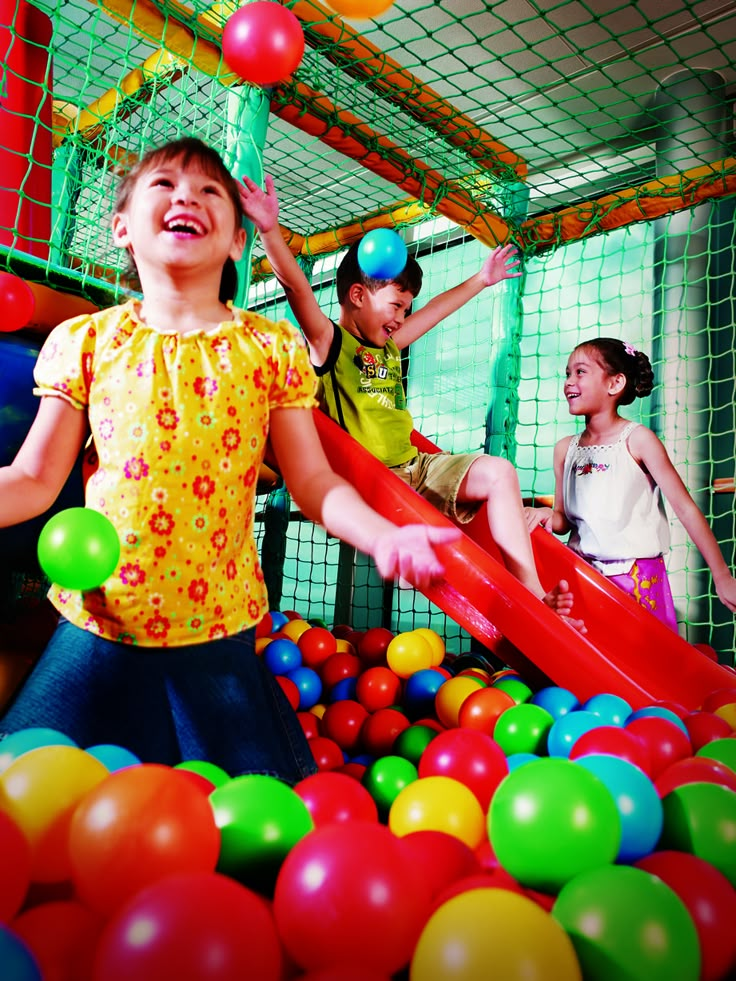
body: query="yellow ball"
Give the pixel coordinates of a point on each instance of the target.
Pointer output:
(435, 642)
(407, 653)
(727, 713)
(319, 710)
(496, 933)
(40, 791)
(293, 629)
(438, 804)
(450, 697)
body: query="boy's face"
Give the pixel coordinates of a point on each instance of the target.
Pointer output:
(378, 314)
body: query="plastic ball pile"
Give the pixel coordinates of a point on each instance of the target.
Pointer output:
(457, 819)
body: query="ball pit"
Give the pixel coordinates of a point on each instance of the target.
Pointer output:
(443, 797)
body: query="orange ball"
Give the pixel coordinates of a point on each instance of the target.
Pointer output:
(482, 708)
(450, 698)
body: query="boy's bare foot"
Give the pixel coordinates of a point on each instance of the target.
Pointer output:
(560, 599)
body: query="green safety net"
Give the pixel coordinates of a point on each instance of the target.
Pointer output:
(597, 137)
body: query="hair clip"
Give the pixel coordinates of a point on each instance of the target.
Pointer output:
(630, 350)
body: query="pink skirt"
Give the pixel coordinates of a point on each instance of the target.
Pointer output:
(647, 582)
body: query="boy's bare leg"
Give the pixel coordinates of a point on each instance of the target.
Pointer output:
(494, 480)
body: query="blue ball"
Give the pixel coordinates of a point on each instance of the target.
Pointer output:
(420, 690)
(344, 690)
(557, 701)
(278, 619)
(112, 756)
(515, 760)
(282, 656)
(566, 731)
(613, 710)
(382, 254)
(17, 743)
(309, 684)
(637, 801)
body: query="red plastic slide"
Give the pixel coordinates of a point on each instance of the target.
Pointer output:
(626, 652)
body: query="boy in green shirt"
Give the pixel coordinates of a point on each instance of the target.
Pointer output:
(358, 361)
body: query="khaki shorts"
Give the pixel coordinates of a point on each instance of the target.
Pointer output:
(438, 477)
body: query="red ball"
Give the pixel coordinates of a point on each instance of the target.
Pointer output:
(615, 741)
(263, 42)
(353, 770)
(200, 925)
(316, 645)
(709, 898)
(440, 858)
(337, 667)
(336, 797)
(665, 741)
(381, 729)
(472, 758)
(310, 724)
(723, 696)
(290, 690)
(342, 722)
(139, 825)
(348, 893)
(373, 644)
(15, 853)
(704, 727)
(378, 688)
(694, 769)
(17, 302)
(62, 936)
(327, 754)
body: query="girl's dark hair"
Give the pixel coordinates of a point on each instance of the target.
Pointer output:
(349, 273)
(190, 151)
(619, 358)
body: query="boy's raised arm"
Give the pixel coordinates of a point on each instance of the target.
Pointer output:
(501, 263)
(262, 208)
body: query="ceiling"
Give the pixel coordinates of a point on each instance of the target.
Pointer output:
(572, 88)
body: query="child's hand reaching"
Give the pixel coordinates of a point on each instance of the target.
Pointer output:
(726, 590)
(408, 552)
(539, 516)
(502, 263)
(262, 207)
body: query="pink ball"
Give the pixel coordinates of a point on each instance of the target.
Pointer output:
(263, 42)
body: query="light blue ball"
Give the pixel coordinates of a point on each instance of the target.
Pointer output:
(382, 254)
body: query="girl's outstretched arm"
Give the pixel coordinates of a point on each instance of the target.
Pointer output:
(324, 497)
(33, 481)
(649, 450)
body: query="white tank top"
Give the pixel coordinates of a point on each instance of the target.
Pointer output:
(615, 509)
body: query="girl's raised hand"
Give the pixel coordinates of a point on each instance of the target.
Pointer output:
(261, 206)
(408, 552)
(502, 263)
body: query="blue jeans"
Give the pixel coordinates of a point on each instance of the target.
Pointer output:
(215, 701)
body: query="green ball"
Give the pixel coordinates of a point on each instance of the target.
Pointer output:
(78, 548)
(627, 924)
(210, 771)
(411, 742)
(550, 820)
(723, 750)
(260, 820)
(700, 818)
(523, 729)
(385, 778)
(515, 688)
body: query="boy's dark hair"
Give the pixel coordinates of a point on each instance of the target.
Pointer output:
(189, 150)
(619, 358)
(349, 273)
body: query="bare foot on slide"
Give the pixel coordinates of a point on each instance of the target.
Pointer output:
(560, 599)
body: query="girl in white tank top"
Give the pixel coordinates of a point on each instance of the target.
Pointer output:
(611, 481)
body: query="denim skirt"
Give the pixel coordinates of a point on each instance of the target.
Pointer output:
(215, 701)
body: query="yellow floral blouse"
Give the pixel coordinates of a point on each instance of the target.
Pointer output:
(180, 424)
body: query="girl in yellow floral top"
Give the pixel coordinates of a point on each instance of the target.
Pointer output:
(180, 392)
